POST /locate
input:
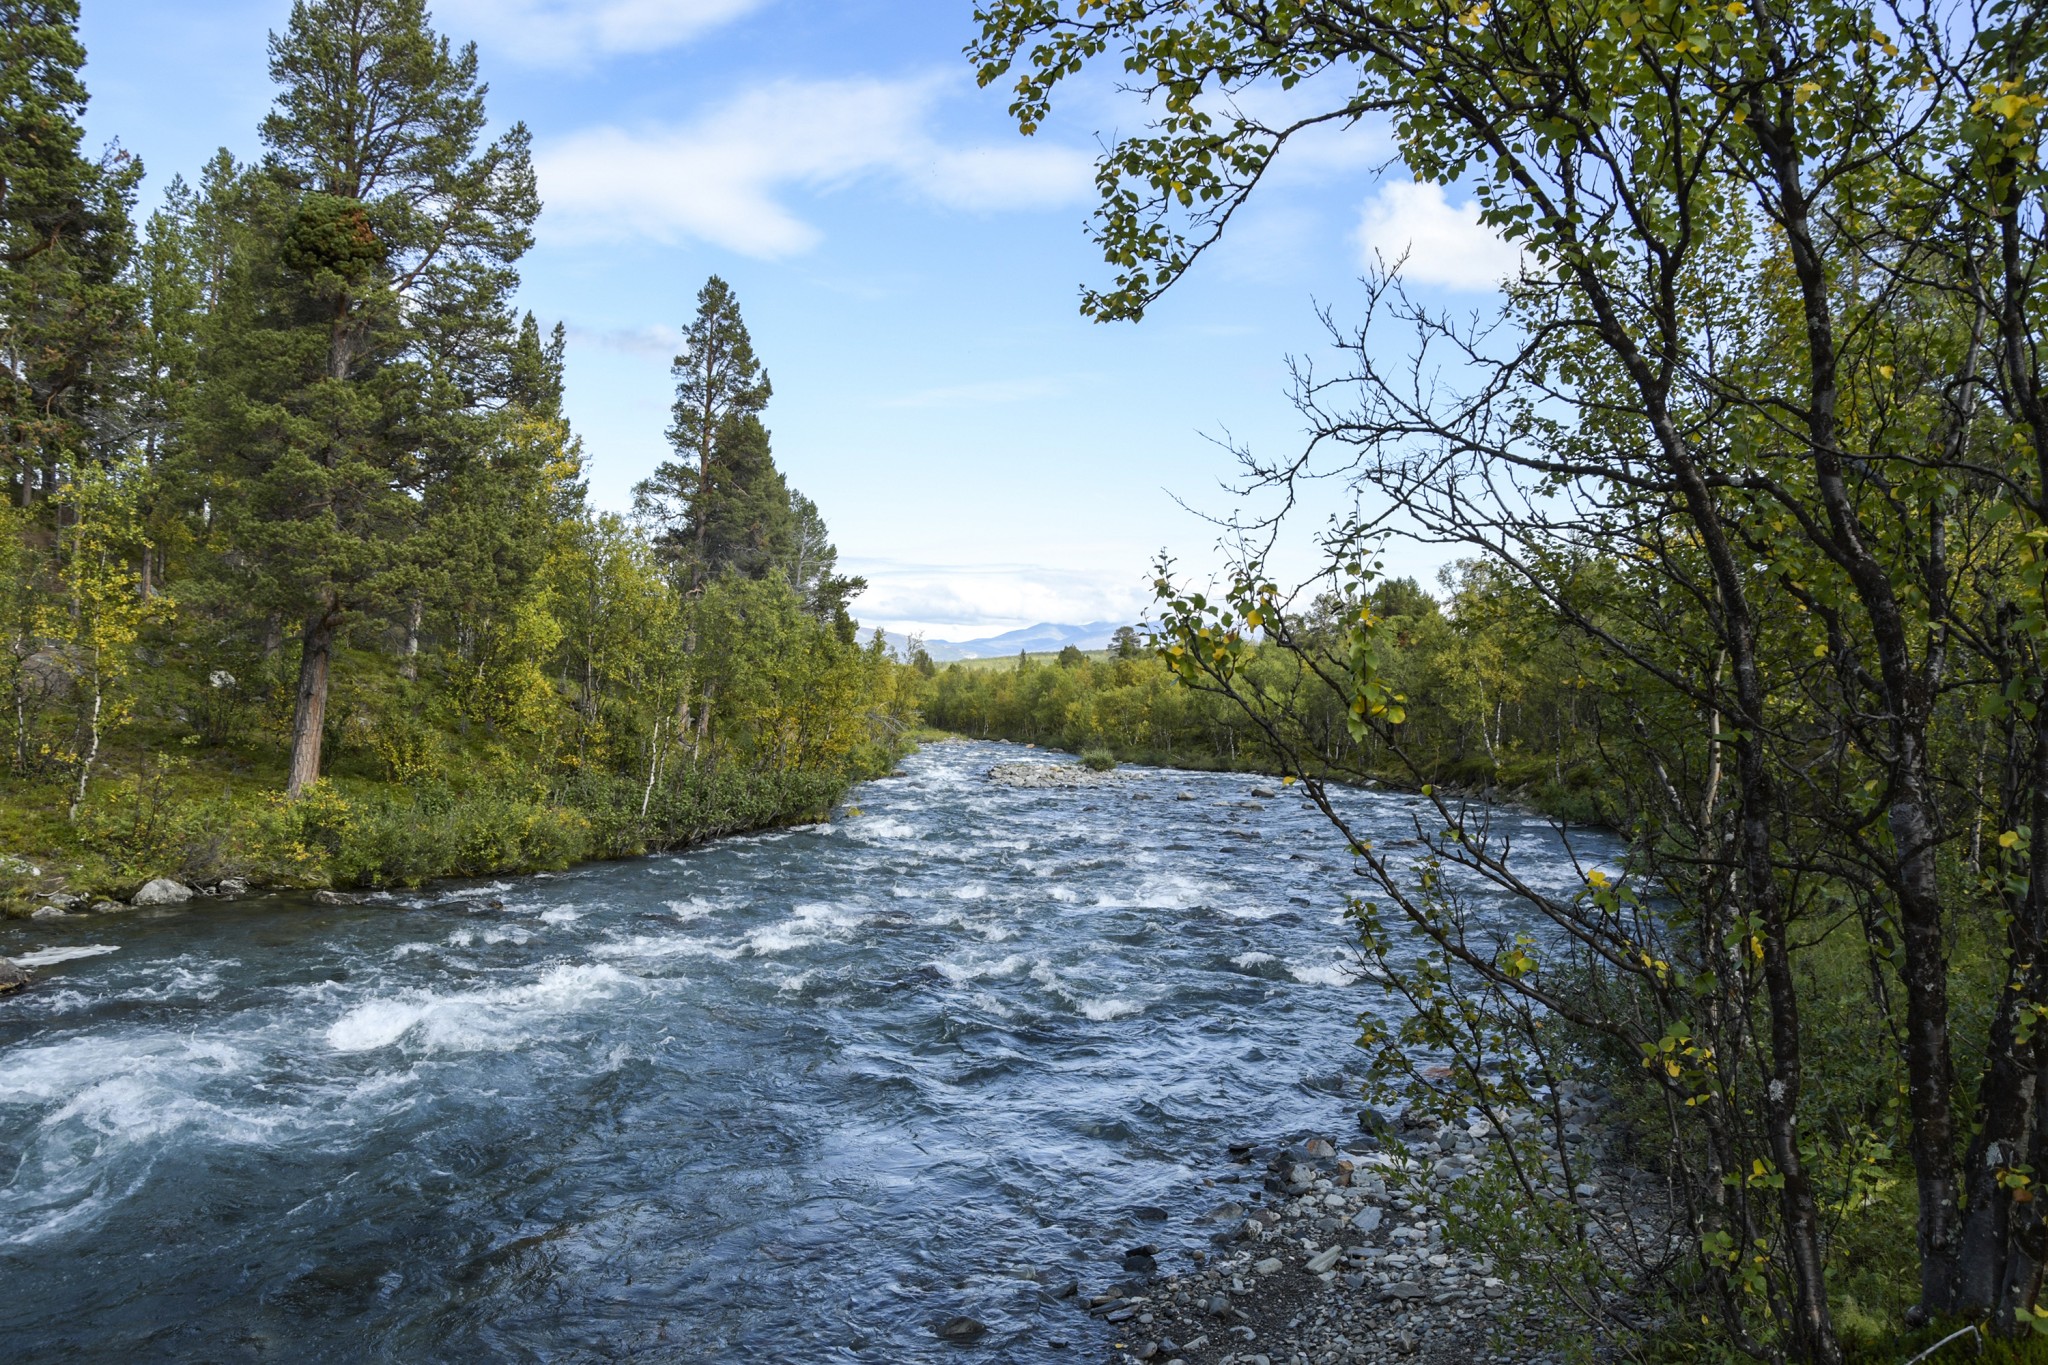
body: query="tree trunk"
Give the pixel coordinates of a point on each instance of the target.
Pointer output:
(309, 717)
(703, 726)
(92, 749)
(409, 655)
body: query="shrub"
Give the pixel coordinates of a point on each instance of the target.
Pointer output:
(1098, 760)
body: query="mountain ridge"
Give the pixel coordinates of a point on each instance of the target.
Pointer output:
(1042, 638)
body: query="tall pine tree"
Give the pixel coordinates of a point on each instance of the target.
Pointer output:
(365, 333)
(720, 386)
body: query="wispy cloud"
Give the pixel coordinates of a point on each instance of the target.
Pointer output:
(653, 340)
(572, 32)
(1444, 243)
(726, 178)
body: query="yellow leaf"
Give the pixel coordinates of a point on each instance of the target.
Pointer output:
(1289, 781)
(1820, 651)
(2009, 839)
(1886, 371)
(1806, 91)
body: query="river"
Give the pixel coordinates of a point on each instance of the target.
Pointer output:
(794, 1096)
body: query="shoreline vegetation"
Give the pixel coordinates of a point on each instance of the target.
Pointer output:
(299, 582)
(1498, 707)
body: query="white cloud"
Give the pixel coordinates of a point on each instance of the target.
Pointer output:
(571, 32)
(1445, 243)
(963, 601)
(725, 178)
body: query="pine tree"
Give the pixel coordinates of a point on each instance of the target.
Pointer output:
(66, 242)
(718, 382)
(744, 520)
(363, 336)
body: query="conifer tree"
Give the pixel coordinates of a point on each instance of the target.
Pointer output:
(66, 303)
(718, 383)
(360, 338)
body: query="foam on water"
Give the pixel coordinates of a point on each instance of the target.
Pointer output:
(47, 957)
(788, 1096)
(1322, 974)
(505, 1017)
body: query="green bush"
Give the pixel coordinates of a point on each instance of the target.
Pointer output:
(1098, 760)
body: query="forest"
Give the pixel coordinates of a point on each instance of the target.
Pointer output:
(300, 583)
(1497, 703)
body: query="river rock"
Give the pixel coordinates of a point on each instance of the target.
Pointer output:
(162, 891)
(48, 912)
(231, 887)
(1049, 775)
(961, 1329)
(13, 978)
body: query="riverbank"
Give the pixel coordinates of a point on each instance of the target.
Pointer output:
(1348, 1252)
(192, 839)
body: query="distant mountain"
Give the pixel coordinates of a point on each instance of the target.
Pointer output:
(1044, 638)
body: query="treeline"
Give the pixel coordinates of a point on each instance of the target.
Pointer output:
(1754, 441)
(298, 574)
(1496, 700)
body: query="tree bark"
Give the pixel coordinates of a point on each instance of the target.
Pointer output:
(409, 656)
(309, 716)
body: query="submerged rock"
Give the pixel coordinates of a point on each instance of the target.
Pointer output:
(961, 1329)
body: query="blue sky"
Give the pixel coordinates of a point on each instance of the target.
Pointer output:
(908, 265)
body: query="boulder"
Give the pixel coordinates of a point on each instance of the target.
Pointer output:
(961, 1329)
(162, 891)
(13, 978)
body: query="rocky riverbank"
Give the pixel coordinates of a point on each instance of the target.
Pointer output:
(1321, 1255)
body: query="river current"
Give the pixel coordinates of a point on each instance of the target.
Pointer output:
(794, 1096)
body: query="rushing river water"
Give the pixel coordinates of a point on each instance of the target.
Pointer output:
(795, 1097)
